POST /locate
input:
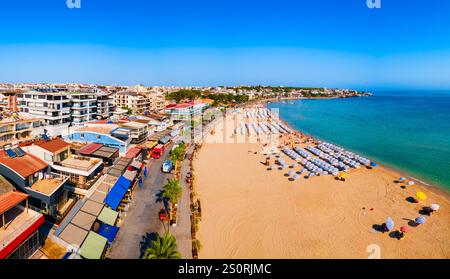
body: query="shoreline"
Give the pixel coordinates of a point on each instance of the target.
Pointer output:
(436, 187)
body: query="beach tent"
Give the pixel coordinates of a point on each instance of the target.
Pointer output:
(109, 232)
(108, 216)
(435, 206)
(389, 223)
(93, 246)
(420, 220)
(401, 179)
(421, 196)
(410, 183)
(373, 164)
(405, 229)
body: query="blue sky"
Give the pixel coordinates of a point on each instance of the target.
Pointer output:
(333, 43)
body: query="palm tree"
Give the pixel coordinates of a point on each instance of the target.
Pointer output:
(172, 191)
(164, 247)
(176, 155)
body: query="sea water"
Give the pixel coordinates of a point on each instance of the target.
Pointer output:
(405, 130)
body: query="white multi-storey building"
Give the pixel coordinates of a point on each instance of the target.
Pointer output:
(84, 107)
(105, 105)
(54, 108)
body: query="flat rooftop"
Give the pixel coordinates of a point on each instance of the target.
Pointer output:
(48, 186)
(104, 129)
(80, 163)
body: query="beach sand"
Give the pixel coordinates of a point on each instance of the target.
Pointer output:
(251, 212)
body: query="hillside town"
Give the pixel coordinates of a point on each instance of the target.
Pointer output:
(82, 166)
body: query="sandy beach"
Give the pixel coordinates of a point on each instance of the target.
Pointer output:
(249, 211)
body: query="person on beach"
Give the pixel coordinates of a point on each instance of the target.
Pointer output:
(400, 235)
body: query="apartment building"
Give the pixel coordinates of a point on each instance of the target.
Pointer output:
(137, 102)
(8, 100)
(157, 101)
(53, 107)
(105, 105)
(84, 107)
(139, 131)
(185, 111)
(17, 128)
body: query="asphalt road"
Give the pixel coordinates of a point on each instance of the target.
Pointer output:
(142, 218)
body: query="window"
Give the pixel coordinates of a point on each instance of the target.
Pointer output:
(48, 157)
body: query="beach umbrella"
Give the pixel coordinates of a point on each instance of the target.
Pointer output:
(373, 164)
(402, 179)
(290, 173)
(420, 220)
(410, 183)
(405, 229)
(435, 206)
(295, 177)
(343, 175)
(389, 223)
(421, 196)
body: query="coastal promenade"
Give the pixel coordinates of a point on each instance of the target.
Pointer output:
(182, 231)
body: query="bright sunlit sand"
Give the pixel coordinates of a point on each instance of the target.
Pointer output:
(249, 211)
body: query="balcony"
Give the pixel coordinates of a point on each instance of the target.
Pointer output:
(18, 220)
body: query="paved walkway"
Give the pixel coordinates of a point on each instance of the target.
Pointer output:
(182, 231)
(142, 218)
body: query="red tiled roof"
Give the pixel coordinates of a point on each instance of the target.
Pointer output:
(91, 148)
(183, 105)
(133, 152)
(53, 145)
(25, 165)
(11, 199)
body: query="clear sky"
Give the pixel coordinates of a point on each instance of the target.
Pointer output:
(333, 43)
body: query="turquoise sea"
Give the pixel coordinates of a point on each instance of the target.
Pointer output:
(406, 130)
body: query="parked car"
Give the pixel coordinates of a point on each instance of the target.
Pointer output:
(167, 166)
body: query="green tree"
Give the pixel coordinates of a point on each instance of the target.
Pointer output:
(172, 191)
(164, 247)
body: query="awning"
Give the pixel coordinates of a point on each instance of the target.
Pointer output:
(133, 152)
(83, 220)
(92, 207)
(11, 199)
(108, 216)
(73, 235)
(93, 246)
(124, 182)
(137, 165)
(117, 192)
(174, 133)
(109, 232)
(164, 139)
(130, 175)
(151, 144)
(91, 148)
